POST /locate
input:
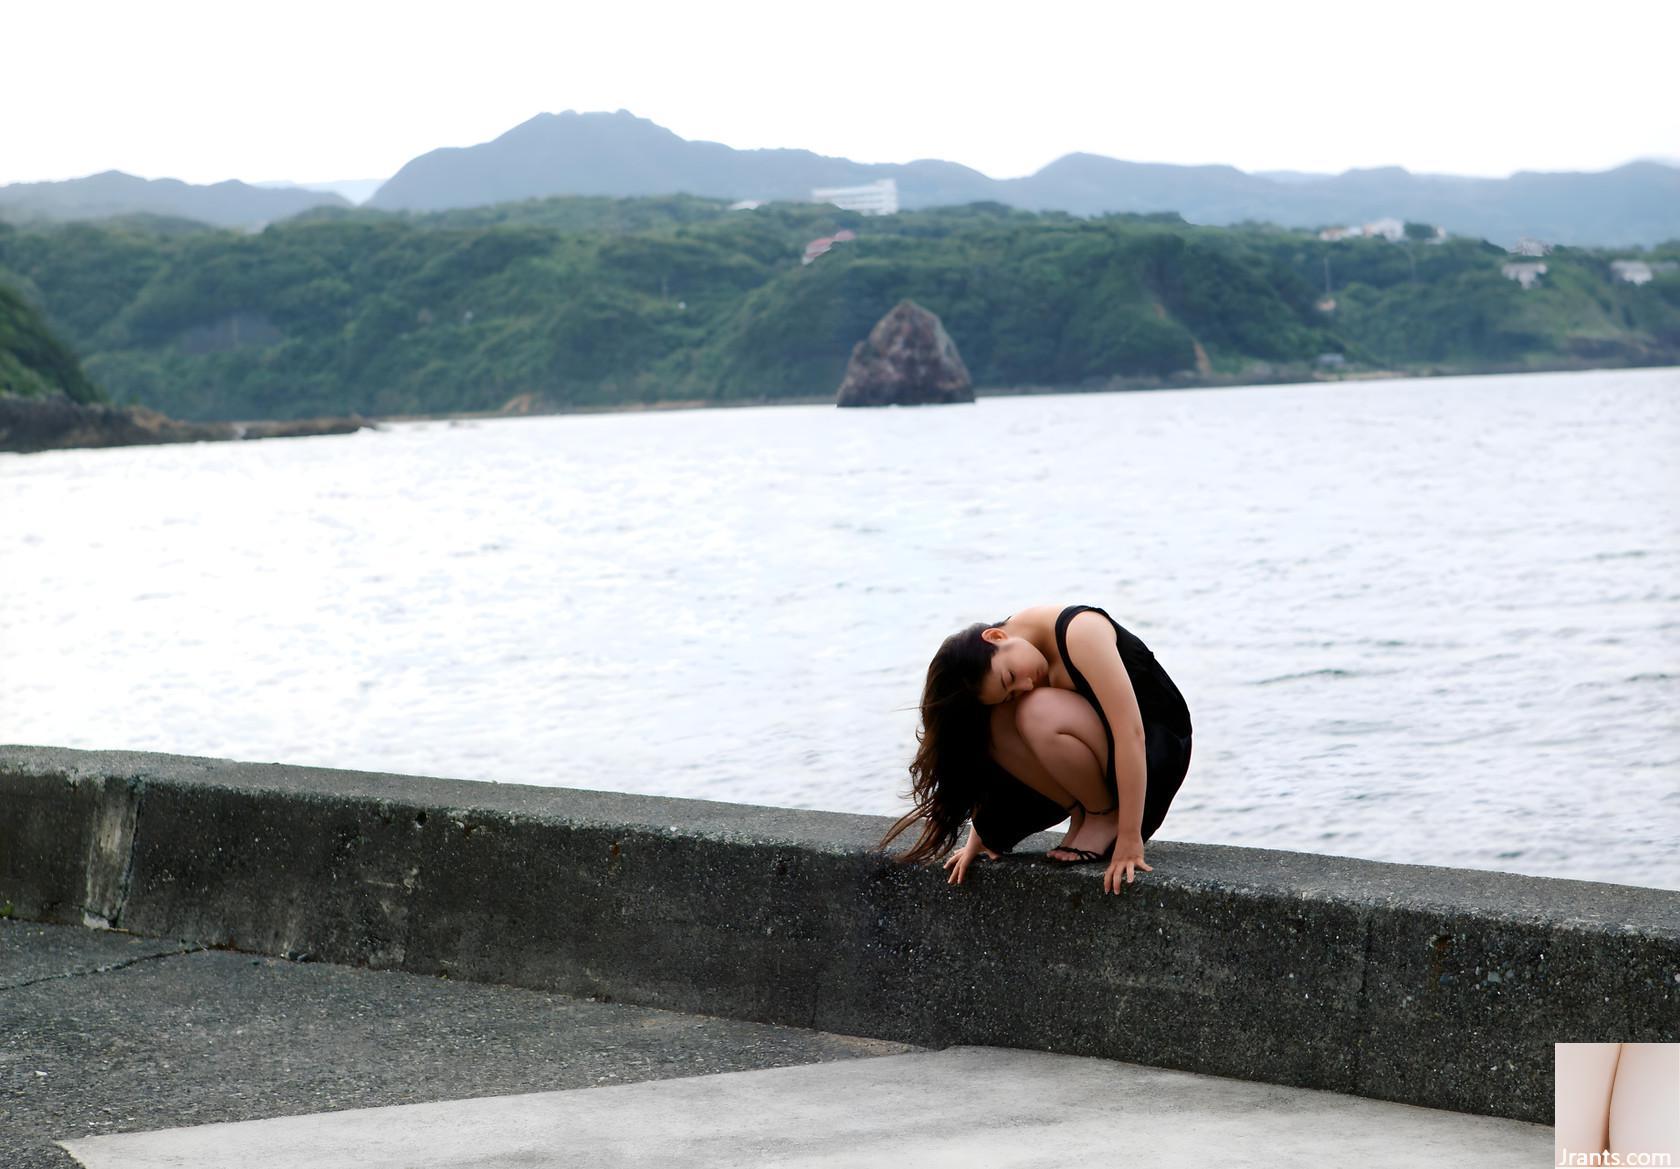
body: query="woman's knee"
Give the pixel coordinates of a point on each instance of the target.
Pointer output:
(1048, 711)
(1043, 716)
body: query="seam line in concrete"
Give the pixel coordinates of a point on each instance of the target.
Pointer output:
(110, 858)
(128, 853)
(107, 969)
(1362, 1007)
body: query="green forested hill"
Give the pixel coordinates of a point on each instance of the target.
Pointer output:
(34, 363)
(604, 301)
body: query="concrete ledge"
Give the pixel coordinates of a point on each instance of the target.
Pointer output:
(1439, 987)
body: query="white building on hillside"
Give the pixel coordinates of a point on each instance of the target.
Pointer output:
(1388, 228)
(1527, 275)
(1641, 271)
(877, 198)
(1631, 271)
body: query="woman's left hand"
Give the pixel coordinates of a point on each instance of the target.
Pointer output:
(1127, 861)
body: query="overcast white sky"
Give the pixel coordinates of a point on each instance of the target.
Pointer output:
(313, 91)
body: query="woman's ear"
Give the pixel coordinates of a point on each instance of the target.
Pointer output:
(994, 635)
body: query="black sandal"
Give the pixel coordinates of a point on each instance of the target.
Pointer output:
(1085, 856)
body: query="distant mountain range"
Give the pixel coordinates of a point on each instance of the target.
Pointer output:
(229, 204)
(619, 154)
(355, 190)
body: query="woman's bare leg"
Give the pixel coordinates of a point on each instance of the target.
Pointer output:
(1016, 757)
(1056, 729)
(1645, 1102)
(1581, 1099)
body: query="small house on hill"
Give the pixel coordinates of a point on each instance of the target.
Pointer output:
(822, 244)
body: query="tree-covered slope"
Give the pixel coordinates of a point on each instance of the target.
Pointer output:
(33, 362)
(599, 302)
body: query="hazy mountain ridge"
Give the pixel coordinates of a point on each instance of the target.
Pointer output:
(355, 190)
(620, 154)
(113, 193)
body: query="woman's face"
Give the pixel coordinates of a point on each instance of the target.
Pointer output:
(1016, 668)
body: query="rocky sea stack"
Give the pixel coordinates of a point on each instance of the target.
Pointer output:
(908, 360)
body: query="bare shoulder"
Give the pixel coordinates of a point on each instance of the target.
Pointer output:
(1093, 650)
(1093, 630)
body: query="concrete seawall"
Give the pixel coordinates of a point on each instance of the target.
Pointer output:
(1431, 986)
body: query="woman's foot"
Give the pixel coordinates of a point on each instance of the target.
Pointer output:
(1092, 834)
(1075, 820)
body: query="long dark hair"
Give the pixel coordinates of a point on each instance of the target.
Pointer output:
(953, 749)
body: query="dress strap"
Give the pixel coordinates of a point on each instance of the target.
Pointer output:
(1062, 619)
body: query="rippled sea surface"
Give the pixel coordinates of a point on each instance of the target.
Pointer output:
(1425, 621)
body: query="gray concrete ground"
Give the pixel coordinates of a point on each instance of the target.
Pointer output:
(101, 1033)
(964, 1106)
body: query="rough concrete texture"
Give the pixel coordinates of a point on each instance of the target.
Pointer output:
(49, 953)
(961, 1107)
(1431, 986)
(102, 1032)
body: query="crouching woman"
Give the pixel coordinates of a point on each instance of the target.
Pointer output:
(1057, 712)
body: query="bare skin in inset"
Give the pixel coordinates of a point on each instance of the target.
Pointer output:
(1621, 1098)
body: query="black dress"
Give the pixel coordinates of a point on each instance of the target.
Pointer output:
(1009, 811)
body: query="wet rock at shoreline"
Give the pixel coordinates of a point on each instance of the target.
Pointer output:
(907, 360)
(42, 424)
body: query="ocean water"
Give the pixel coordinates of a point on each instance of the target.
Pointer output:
(1426, 621)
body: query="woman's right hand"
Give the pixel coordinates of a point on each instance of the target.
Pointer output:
(956, 865)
